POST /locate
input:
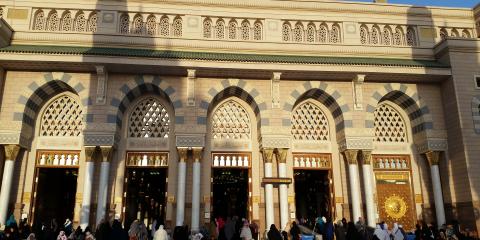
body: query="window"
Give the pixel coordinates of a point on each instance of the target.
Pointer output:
(62, 118)
(389, 125)
(230, 121)
(149, 119)
(309, 123)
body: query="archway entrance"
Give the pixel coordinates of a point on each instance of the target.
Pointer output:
(56, 185)
(231, 185)
(145, 187)
(313, 187)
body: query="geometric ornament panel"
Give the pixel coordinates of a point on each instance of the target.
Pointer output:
(62, 118)
(309, 123)
(389, 125)
(149, 119)
(231, 121)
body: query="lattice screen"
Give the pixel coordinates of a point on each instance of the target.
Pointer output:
(309, 123)
(149, 119)
(62, 118)
(389, 125)
(230, 121)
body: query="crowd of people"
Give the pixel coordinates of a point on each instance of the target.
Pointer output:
(233, 228)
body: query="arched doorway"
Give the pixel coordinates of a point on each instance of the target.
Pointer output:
(231, 159)
(60, 127)
(147, 156)
(312, 167)
(392, 166)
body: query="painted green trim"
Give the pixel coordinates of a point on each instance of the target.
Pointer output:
(215, 56)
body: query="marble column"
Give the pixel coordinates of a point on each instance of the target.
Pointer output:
(11, 154)
(182, 175)
(351, 156)
(269, 214)
(281, 155)
(87, 186)
(197, 159)
(367, 182)
(433, 158)
(103, 183)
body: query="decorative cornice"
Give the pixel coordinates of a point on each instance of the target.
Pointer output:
(358, 143)
(99, 139)
(14, 138)
(220, 56)
(190, 140)
(432, 145)
(267, 141)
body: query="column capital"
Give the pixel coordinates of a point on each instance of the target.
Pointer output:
(197, 154)
(106, 153)
(281, 154)
(182, 154)
(433, 157)
(267, 154)
(351, 155)
(90, 153)
(367, 157)
(11, 151)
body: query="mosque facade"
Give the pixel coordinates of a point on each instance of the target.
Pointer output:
(183, 111)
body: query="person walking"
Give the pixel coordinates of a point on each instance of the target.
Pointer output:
(246, 233)
(160, 234)
(273, 233)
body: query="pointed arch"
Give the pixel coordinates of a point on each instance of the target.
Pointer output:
(66, 22)
(164, 26)
(466, 34)
(230, 121)
(443, 34)
(411, 36)
(454, 33)
(220, 29)
(207, 28)
(311, 33)
(245, 30)
(151, 25)
(124, 23)
(257, 30)
(232, 29)
(39, 20)
(375, 35)
(364, 35)
(62, 117)
(53, 22)
(407, 99)
(398, 37)
(298, 32)
(80, 23)
(92, 22)
(149, 118)
(309, 122)
(286, 32)
(389, 125)
(177, 26)
(387, 35)
(137, 24)
(335, 35)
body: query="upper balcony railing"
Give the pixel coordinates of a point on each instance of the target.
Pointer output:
(231, 28)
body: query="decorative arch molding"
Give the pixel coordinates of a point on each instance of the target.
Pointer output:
(476, 114)
(40, 92)
(142, 86)
(322, 92)
(240, 89)
(408, 99)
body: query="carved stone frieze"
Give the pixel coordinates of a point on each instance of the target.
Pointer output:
(190, 140)
(14, 138)
(275, 82)
(275, 141)
(432, 145)
(231, 145)
(102, 80)
(311, 146)
(59, 143)
(99, 139)
(358, 91)
(147, 143)
(356, 143)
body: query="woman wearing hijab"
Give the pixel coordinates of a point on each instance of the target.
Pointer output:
(133, 231)
(352, 233)
(160, 234)
(246, 233)
(328, 230)
(273, 233)
(295, 231)
(379, 234)
(340, 233)
(397, 233)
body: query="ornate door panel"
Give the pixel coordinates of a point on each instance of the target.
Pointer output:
(394, 197)
(394, 190)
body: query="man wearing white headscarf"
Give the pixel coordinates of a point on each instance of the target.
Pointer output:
(379, 233)
(160, 234)
(396, 232)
